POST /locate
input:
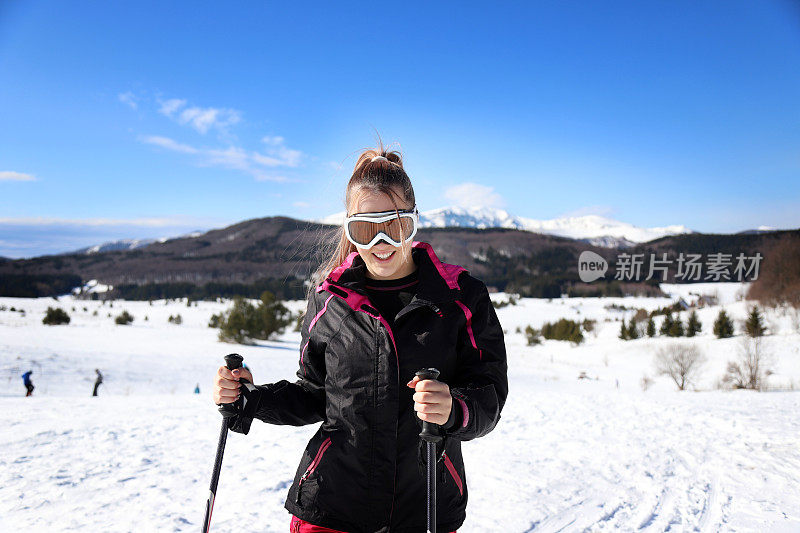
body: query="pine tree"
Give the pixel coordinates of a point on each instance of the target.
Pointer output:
(666, 325)
(676, 328)
(723, 325)
(651, 327)
(694, 326)
(633, 331)
(755, 323)
(623, 331)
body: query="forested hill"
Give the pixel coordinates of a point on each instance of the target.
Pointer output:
(278, 253)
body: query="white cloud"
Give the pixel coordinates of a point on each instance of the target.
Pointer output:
(169, 144)
(233, 157)
(168, 107)
(473, 195)
(259, 164)
(203, 119)
(278, 155)
(276, 140)
(10, 175)
(128, 99)
(301, 204)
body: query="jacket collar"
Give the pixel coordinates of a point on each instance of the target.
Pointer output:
(438, 281)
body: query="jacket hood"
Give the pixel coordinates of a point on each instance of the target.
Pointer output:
(438, 281)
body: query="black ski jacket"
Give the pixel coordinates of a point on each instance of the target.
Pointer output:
(361, 471)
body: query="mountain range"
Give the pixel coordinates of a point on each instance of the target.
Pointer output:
(279, 254)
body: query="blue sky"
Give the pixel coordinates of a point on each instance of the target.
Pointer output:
(157, 118)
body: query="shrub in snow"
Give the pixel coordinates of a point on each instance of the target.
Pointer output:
(124, 318)
(633, 330)
(676, 328)
(723, 325)
(751, 369)
(666, 324)
(755, 323)
(693, 326)
(532, 336)
(54, 317)
(216, 320)
(512, 300)
(681, 363)
(651, 327)
(563, 330)
(177, 320)
(246, 321)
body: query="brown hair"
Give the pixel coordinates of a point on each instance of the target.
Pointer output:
(385, 176)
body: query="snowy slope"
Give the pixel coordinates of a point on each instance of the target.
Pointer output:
(568, 454)
(599, 230)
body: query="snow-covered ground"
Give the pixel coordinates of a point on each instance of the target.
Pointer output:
(568, 455)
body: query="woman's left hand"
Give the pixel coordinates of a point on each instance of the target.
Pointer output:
(432, 400)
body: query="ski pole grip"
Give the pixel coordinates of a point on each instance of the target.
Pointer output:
(430, 431)
(233, 361)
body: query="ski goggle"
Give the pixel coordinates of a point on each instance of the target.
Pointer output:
(366, 229)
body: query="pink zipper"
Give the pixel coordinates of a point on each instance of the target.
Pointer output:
(314, 464)
(452, 469)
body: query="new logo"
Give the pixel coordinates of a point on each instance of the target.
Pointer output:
(591, 266)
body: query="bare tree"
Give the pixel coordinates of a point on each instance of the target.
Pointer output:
(681, 362)
(751, 370)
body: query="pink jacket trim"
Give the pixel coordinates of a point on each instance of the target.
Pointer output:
(448, 272)
(464, 410)
(324, 308)
(452, 469)
(468, 314)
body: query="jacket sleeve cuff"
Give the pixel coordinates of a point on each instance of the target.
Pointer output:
(456, 418)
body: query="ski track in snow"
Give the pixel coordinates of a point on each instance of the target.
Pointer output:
(567, 455)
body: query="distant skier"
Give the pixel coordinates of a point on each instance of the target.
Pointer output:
(97, 382)
(26, 380)
(197, 389)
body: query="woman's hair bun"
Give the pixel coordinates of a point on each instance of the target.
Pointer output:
(379, 157)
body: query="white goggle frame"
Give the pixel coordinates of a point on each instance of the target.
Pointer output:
(383, 216)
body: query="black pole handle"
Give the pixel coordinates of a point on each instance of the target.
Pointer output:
(430, 431)
(233, 361)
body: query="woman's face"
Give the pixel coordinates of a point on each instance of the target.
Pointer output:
(398, 264)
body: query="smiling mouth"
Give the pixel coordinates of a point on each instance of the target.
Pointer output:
(384, 257)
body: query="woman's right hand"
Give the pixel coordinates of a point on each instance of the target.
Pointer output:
(226, 384)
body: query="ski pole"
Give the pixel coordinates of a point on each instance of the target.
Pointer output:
(430, 434)
(232, 361)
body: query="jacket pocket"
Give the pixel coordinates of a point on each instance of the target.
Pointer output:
(453, 473)
(308, 486)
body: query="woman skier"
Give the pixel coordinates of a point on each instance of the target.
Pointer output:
(380, 309)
